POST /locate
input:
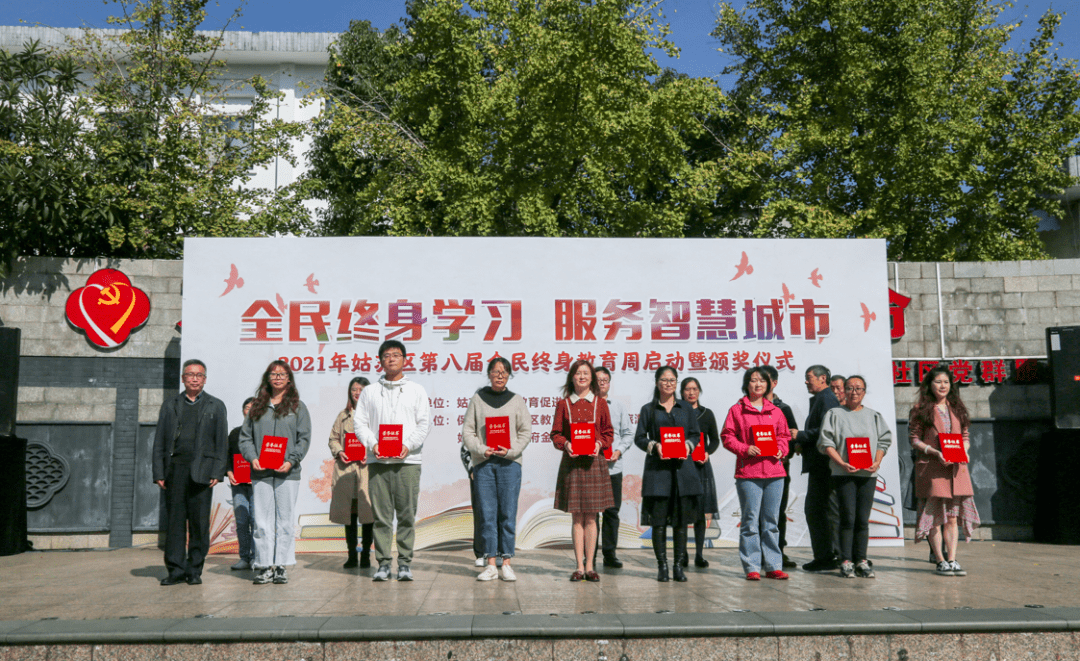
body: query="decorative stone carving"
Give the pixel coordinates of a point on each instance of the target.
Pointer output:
(46, 474)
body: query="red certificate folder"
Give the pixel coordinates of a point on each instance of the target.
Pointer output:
(390, 441)
(858, 452)
(607, 452)
(498, 432)
(952, 448)
(765, 439)
(582, 438)
(273, 452)
(699, 450)
(241, 469)
(672, 443)
(354, 449)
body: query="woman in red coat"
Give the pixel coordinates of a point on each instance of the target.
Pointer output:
(943, 489)
(583, 487)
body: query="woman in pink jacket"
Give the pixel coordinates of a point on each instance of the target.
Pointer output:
(759, 479)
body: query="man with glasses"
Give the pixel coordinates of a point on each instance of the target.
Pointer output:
(395, 406)
(191, 444)
(624, 438)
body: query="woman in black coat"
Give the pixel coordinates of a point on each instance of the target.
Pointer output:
(669, 487)
(710, 437)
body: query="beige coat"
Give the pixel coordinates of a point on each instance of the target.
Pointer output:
(350, 481)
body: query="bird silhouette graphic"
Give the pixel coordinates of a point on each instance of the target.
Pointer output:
(867, 317)
(311, 283)
(281, 304)
(233, 281)
(788, 296)
(815, 278)
(743, 268)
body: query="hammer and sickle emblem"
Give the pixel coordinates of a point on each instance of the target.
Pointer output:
(111, 296)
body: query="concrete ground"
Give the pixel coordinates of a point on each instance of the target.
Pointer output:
(123, 583)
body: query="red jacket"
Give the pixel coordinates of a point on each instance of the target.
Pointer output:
(736, 438)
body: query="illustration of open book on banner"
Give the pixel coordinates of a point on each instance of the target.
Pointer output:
(544, 527)
(448, 529)
(885, 523)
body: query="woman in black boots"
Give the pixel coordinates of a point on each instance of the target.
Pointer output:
(669, 487)
(350, 502)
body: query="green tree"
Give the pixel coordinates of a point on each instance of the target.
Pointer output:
(175, 157)
(49, 201)
(903, 119)
(512, 118)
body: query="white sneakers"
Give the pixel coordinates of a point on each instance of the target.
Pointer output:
(490, 573)
(480, 562)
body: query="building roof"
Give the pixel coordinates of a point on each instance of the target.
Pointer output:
(239, 47)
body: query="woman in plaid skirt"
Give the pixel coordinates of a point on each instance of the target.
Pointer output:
(583, 487)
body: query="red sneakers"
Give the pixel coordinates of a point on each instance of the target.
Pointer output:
(777, 574)
(753, 576)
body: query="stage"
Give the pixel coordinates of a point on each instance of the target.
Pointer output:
(1018, 601)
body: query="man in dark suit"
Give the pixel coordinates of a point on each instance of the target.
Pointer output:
(822, 512)
(191, 445)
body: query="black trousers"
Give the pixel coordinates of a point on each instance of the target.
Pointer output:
(822, 516)
(609, 529)
(187, 530)
(781, 522)
(856, 495)
(477, 535)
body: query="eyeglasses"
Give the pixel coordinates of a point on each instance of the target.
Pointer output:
(669, 381)
(854, 389)
(499, 374)
(194, 375)
(278, 375)
(392, 355)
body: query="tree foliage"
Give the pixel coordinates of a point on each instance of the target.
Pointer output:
(904, 119)
(500, 117)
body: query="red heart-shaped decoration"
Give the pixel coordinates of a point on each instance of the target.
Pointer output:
(108, 308)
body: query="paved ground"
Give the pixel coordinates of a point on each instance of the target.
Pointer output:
(124, 583)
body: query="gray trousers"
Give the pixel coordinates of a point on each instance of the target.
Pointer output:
(394, 490)
(273, 503)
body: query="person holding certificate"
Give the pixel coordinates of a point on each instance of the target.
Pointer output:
(856, 439)
(581, 430)
(667, 431)
(757, 433)
(497, 429)
(350, 502)
(942, 482)
(690, 389)
(274, 439)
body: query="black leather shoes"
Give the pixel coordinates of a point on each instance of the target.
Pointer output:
(612, 561)
(172, 580)
(677, 573)
(662, 571)
(194, 580)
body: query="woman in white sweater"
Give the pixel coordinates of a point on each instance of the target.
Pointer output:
(497, 429)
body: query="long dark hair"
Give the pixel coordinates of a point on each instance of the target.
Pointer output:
(923, 411)
(290, 401)
(656, 380)
(568, 387)
(350, 406)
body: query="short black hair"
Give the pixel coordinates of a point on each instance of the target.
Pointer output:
(391, 344)
(819, 371)
(192, 361)
(246, 402)
(603, 370)
(771, 371)
(834, 377)
(499, 360)
(751, 372)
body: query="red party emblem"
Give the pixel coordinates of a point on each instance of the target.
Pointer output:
(108, 308)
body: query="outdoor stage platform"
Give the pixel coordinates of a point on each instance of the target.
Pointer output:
(1019, 601)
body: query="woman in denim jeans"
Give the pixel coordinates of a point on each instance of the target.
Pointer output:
(497, 470)
(241, 502)
(759, 479)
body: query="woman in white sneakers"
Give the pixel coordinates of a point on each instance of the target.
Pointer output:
(497, 429)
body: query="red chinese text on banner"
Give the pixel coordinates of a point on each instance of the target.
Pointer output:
(354, 449)
(672, 443)
(858, 452)
(582, 438)
(952, 448)
(498, 432)
(390, 441)
(241, 469)
(765, 439)
(273, 452)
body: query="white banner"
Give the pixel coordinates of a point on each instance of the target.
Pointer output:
(709, 307)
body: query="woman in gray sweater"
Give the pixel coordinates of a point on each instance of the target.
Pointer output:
(277, 417)
(853, 424)
(497, 429)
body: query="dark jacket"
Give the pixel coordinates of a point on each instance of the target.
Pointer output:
(659, 474)
(211, 439)
(812, 460)
(789, 415)
(710, 434)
